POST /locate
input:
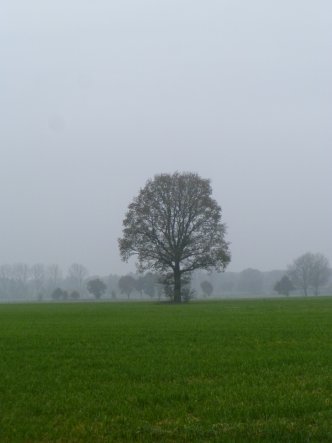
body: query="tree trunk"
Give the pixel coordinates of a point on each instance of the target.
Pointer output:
(177, 283)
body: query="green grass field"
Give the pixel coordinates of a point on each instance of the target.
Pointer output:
(246, 371)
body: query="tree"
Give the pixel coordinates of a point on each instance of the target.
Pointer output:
(20, 273)
(57, 294)
(74, 295)
(150, 281)
(207, 288)
(284, 286)
(309, 271)
(250, 281)
(127, 284)
(38, 277)
(320, 272)
(76, 275)
(96, 287)
(139, 285)
(54, 275)
(174, 226)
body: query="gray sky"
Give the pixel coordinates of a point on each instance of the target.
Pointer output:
(97, 97)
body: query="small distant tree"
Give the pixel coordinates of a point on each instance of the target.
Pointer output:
(321, 272)
(300, 272)
(54, 276)
(207, 288)
(96, 287)
(250, 281)
(284, 286)
(76, 275)
(150, 281)
(127, 284)
(20, 275)
(74, 295)
(309, 271)
(57, 294)
(139, 285)
(37, 272)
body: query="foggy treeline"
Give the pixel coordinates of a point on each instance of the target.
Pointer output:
(20, 282)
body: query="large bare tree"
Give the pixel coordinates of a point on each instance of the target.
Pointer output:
(174, 226)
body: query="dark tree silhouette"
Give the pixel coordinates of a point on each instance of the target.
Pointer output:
(284, 286)
(96, 287)
(174, 226)
(59, 294)
(127, 284)
(207, 288)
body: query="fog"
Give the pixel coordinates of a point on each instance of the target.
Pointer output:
(97, 97)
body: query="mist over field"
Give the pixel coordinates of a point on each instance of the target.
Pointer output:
(96, 98)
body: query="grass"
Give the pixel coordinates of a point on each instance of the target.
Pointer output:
(237, 371)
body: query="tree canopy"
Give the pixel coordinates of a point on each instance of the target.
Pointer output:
(174, 226)
(96, 287)
(284, 286)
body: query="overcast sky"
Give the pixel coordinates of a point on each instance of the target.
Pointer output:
(99, 96)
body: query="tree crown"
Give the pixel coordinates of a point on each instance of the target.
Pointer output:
(175, 222)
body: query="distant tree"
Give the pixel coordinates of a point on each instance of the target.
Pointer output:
(96, 287)
(21, 272)
(188, 293)
(174, 227)
(139, 285)
(112, 283)
(5, 276)
(284, 286)
(54, 275)
(207, 288)
(321, 272)
(37, 272)
(150, 281)
(74, 295)
(77, 274)
(127, 284)
(15, 280)
(309, 271)
(57, 294)
(251, 281)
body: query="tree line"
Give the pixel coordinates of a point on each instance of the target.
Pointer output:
(38, 281)
(174, 229)
(41, 282)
